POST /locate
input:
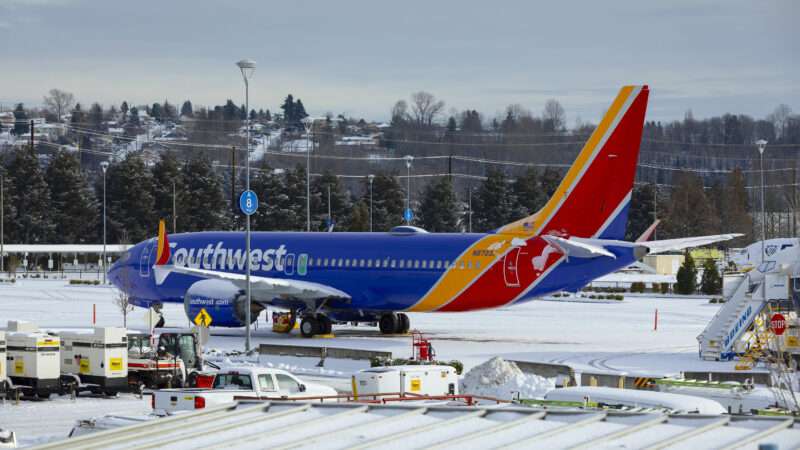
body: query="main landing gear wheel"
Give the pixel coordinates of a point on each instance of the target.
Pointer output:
(325, 324)
(388, 324)
(403, 324)
(315, 324)
(309, 326)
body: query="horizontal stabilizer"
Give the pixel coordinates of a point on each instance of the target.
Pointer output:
(577, 249)
(649, 232)
(688, 242)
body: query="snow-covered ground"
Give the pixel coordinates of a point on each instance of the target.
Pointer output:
(612, 336)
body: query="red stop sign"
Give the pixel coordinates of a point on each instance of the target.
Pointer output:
(778, 324)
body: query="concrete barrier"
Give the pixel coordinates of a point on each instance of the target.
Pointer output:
(741, 376)
(320, 352)
(563, 374)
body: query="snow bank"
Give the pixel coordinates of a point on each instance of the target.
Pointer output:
(503, 379)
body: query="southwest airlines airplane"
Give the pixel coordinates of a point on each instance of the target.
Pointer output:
(376, 277)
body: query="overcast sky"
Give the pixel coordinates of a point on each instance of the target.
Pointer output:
(359, 57)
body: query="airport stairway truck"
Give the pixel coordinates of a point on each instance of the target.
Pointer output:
(95, 360)
(33, 359)
(745, 298)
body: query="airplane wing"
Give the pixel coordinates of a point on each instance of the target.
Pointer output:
(578, 248)
(684, 243)
(262, 287)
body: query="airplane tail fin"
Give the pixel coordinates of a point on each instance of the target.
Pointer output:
(161, 269)
(593, 197)
(162, 257)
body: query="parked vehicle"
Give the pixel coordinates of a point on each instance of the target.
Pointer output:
(250, 382)
(171, 357)
(94, 360)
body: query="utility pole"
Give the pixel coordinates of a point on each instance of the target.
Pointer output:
(330, 218)
(31, 135)
(174, 217)
(233, 184)
(2, 221)
(371, 179)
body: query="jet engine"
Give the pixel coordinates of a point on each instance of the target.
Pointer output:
(224, 303)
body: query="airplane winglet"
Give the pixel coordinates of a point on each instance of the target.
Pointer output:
(648, 233)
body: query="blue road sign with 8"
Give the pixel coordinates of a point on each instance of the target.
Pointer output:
(248, 202)
(408, 215)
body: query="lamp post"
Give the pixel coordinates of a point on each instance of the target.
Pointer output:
(247, 66)
(104, 166)
(2, 221)
(408, 159)
(762, 145)
(371, 178)
(470, 209)
(174, 217)
(308, 124)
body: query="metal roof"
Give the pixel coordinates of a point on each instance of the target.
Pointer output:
(64, 248)
(284, 425)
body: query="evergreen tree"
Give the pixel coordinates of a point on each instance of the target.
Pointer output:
(203, 205)
(551, 178)
(124, 110)
(340, 202)
(293, 212)
(29, 196)
(359, 217)
(230, 111)
(167, 173)
(687, 276)
(439, 211)
(737, 209)
(134, 120)
(528, 196)
(129, 200)
(492, 206)
(186, 109)
(21, 125)
(156, 112)
(73, 205)
(78, 117)
(168, 111)
(640, 212)
(711, 281)
(96, 117)
(9, 211)
(299, 111)
(270, 188)
(690, 213)
(388, 202)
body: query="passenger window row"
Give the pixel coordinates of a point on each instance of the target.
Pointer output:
(391, 263)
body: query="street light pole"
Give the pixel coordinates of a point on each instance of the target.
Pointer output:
(408, 158)
(2, 222)
(371, 179)
(174, 217)
(470, 209)
(104, 166)
(762, 145)
(247, 67)
(308, 123)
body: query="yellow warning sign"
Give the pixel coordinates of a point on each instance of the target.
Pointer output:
(115, 364)
(85, 368)
(19, 366)
(416, 385)
(203, 318)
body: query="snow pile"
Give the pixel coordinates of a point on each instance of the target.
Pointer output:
(503, 379)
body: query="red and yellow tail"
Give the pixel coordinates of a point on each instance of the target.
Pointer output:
(162, 257)
(592, 199)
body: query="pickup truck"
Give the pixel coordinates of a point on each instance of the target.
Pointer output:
(252, 382)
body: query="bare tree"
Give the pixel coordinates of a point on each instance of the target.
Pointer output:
(425, 107)
(780, 119)
(59, 101)
(553, 115)
(122, 299)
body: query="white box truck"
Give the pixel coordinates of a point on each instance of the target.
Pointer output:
(95, 360)
(433, 380)
(3, 371)
(33, 360)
